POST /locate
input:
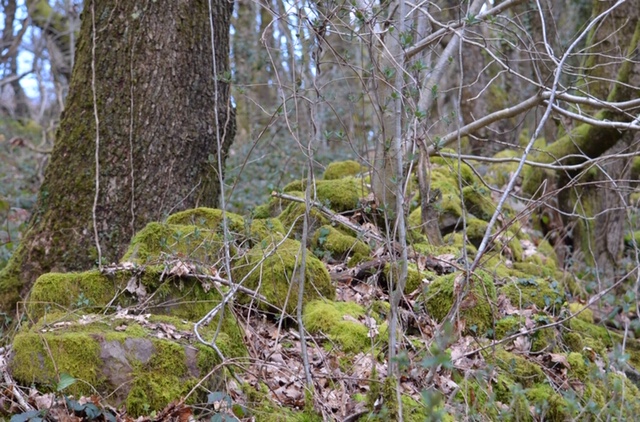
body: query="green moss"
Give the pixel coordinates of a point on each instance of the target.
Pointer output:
(477, 310)
(341, 169)
(573, 341)
(524, 292)
(187, 298)
(585, 314)
(414, 276)
(340, 321)
(156, 240)
(76, 354)
(267, 228)
(274, 277)
(548, 405)
(519, 369)
(207, 218)
(477, 201)
(340, 194)
(535, 269)
(129, 366)
(541, 339)
(159, 381)
(337, 244)
(88, 291)
(293, 218)
(475, 230)
(451, 166)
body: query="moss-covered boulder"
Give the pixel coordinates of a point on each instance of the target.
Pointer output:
(157, 241)
(476, 308)
(344, 324)
(266, 228)
(292, 219)
(477, 201)
(338, 245)
(208, 218)
(414, 279)
(340, 195)
(272, 269)
(341, 169)
(90, 291)
(141, 362)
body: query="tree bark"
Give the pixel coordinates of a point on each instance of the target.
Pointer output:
(157, 142)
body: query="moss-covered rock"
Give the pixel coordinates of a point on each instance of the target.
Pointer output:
(338, 245)
(524, 292)
(208, 218)
(414, 276)
(160, 240)
(123, 359)
(340, 194)
(477, 201)
(272, 270)
(292, 219)
(341, 169)
(266, 228)
(476, 309)
(342, 323)
(187, 298)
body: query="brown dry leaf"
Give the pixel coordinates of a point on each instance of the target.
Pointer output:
(522, 344)
(135, 287)
(558, 358)
(180, 269)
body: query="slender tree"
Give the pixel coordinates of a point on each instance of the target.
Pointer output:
(147, 121)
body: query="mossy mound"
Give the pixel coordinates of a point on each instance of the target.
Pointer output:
(476, 308)
(339, 246)
(525, 292)
(340, 195)
(208, 218)
(160, 240)
(272, 269)
(341, 169)
(292, 219)
(341, 322)
(266, 228)
(187, 298)
(121, 358)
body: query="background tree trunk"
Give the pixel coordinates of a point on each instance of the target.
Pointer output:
(155, 101)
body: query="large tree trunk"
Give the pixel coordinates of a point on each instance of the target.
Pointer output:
(601, 202)
(159, 137)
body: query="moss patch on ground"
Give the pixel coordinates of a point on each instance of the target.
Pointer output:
(342, 323)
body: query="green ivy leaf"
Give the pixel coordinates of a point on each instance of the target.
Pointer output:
(65, 381)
